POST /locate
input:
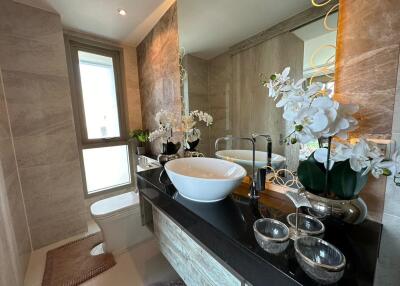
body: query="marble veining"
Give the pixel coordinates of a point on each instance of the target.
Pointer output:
(367, 73)
(367, 61)
(159, 78)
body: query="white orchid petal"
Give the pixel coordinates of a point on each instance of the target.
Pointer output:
(285, 72)
(321, 155)
(320, 122)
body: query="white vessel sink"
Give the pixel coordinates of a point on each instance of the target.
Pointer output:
(204, 179)
(245, 158)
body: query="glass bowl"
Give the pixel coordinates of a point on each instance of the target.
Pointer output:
(321, 260)
(272, 235)
(307, 225)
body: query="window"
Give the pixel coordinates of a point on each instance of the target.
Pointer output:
(99, 115)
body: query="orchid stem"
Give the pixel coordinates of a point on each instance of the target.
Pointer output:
(328, 159)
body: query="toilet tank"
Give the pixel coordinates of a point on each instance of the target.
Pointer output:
(119, 220)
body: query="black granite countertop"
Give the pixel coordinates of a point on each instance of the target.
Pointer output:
(226, 229)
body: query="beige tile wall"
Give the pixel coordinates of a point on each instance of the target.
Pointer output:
(232, 92)
(32, 57)
(15, 245)
(253, 111)
(197, 88)
(220, 92)
(132, 88)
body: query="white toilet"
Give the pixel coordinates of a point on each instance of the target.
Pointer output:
(119, 219)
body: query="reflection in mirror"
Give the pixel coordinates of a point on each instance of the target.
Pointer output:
(226, 48)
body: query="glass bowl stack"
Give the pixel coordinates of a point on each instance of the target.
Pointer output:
(272, 235)
(307, 225)
(319, 259)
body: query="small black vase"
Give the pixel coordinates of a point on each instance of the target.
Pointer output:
(192, 145)
(170, 148)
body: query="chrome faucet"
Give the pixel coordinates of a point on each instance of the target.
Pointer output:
(269, 146)
(253, 194)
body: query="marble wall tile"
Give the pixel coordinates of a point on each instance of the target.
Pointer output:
(19, 222)
(42, 100)
(51, 198)
(29, 55)
(9, 272)
(27, 22)
(159, 78)
(220, 92)
(367, 72)
(396, 116)
(367, 60)
(32, 56)
(132, 88)
(56, 230)
(12, 210)
(197, 89)
(39, 150)
(387, 272)
(357, 84)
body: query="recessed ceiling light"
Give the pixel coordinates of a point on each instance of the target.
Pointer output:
(122, 12)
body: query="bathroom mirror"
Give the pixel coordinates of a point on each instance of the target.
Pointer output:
(226, 45)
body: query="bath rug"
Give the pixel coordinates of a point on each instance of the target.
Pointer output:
(72, 264)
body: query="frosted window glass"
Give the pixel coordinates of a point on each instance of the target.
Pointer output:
(106, 167)
(99, 95)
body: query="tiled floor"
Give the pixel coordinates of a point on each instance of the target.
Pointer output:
(142, 265)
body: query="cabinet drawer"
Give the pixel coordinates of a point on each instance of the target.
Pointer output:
(191, 261)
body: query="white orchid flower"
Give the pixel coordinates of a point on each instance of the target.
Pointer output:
(343, 122)
(284, 77)
(342, 152)
(396, 160)
(374, 151)
(193, 135)
(380, 167)
(359, 156)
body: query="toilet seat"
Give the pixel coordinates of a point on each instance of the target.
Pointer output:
(115, 206)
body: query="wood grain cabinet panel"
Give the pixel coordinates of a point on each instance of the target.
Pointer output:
(193, 263)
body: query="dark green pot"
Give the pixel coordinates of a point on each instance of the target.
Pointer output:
(343, 181)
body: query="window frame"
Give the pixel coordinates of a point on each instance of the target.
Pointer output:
(74, 44)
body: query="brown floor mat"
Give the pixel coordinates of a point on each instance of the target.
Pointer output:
(72, 264)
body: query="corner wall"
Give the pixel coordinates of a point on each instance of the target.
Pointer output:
(15, 244)
(159, 77)
(367, 73)
(36, 86)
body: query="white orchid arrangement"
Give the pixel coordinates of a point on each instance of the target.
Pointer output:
(167, 122)
(189, 122)
(364, 157)
(312, 114)
(311, 111)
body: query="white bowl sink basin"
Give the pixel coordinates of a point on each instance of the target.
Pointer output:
(204, 179)
(245, 158)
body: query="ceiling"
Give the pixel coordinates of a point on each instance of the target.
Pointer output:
(209, 27)
(100, 17)
(316, 29)
(206, 27)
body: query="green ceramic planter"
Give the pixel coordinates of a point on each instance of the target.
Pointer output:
(343, 181)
